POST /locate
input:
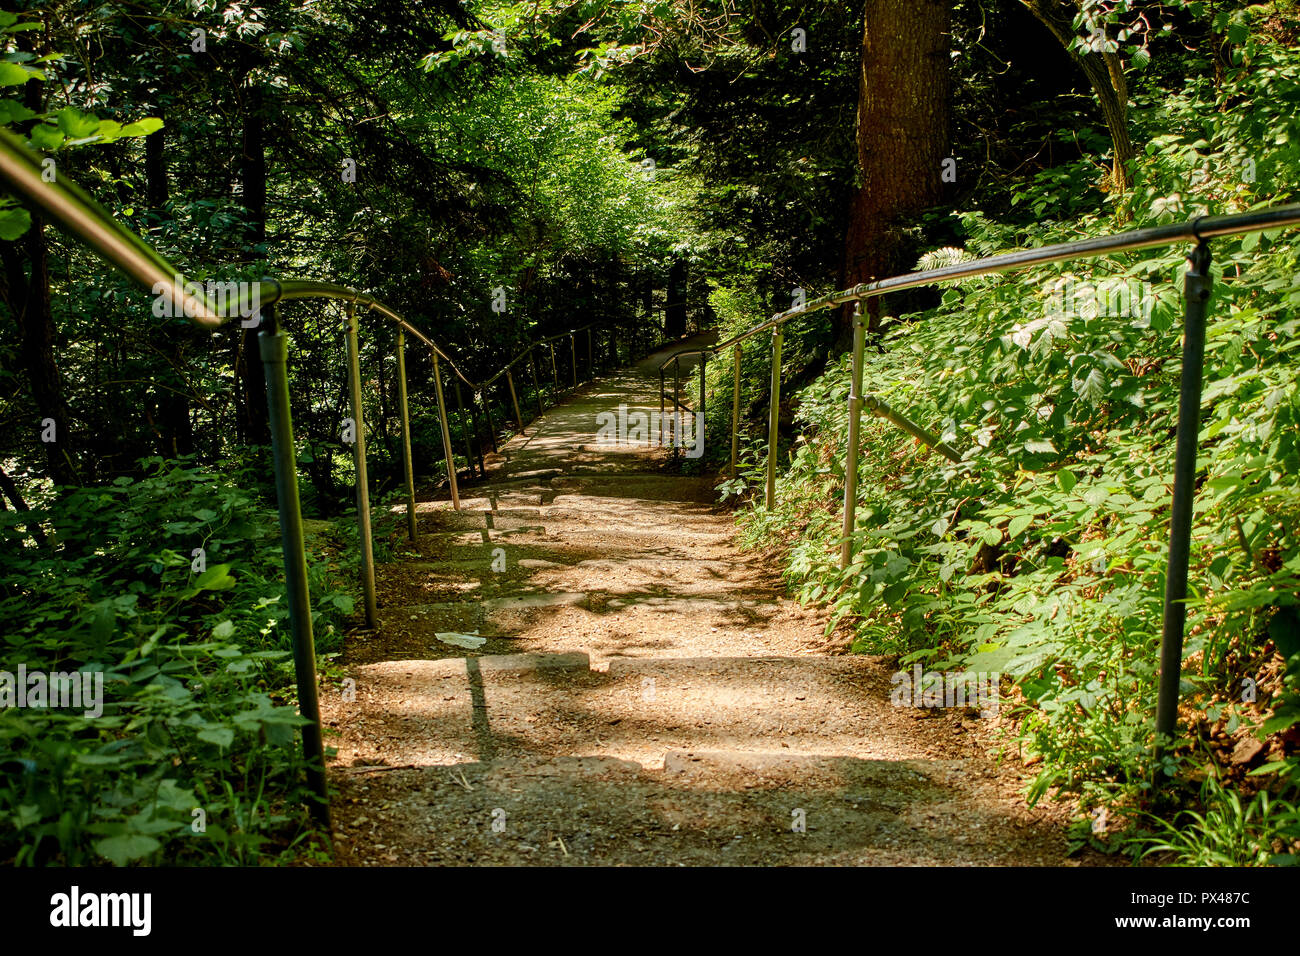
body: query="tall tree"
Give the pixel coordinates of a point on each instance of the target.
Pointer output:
(256, 424)
(902, 134)
(25, 290)
(675, 309)
(1104, 69)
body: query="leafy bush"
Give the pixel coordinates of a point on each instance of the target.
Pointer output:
(195, 754)
(1042, 554)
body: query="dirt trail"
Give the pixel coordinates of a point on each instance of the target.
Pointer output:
(646, 693)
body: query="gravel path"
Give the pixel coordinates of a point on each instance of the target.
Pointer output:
(646, 694)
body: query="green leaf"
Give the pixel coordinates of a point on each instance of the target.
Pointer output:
(142, 127)
(1284, 629)
(11, 74)
(1281, 722)
(45, 137)
(1018, 524)
(14, 221)
(1092, 388)
(1066, 479)
(11, 111)
(223, 630)
(223, 737)
(215, 578)
(121, 850)
(76, 124)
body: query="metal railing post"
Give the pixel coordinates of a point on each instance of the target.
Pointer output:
(363, 482)
(407, 463)
(704, 361)
(537, 388)
(460, 414)
(514, 399)
(855, 422)
(773, 416)
(573, 356)
(478, 440)
(473, 424)
(591, 365)
(1197, 285)
(491, 427)
(446, 435)
(677, 403)
(661, 406)
(735, 411)
(555, 371)
(274, 348)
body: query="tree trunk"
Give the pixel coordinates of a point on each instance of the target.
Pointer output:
(26, 291)
(10, 488)
(27, 294)
(648, 295)
(256, 423)
(173, 403)
(155, 169)
(1105, 75)
(675, 308)
(902, 137)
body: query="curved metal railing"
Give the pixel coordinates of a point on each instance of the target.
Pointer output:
(1197, 285)
(76, 213)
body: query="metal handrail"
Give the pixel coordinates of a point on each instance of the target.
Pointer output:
(74, 210)
(71, 208)
(1197, 285)
(523, 353)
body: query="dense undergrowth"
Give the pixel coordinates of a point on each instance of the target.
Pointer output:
(171, 584)
(1041, 555)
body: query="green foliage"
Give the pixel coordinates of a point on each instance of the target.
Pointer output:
(1041, 554)
(1231, 832)
(198, 711)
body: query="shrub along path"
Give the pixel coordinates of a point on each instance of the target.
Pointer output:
(646, 694)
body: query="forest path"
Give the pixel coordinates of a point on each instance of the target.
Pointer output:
(646, 694)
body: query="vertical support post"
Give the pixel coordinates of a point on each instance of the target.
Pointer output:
(274, 348)
(408, 465)
(855, 422)
(537, 388)
(460, 414)
(514, 399)
(677, 402)
(363, 482)
(704, 361)
(555, 371)
(591, 365)
(491, 428)
(735, 410)
(573, 356)
(661, 406)
(773, 417)
(1196, 292)
(473, 424)
(446, 435)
